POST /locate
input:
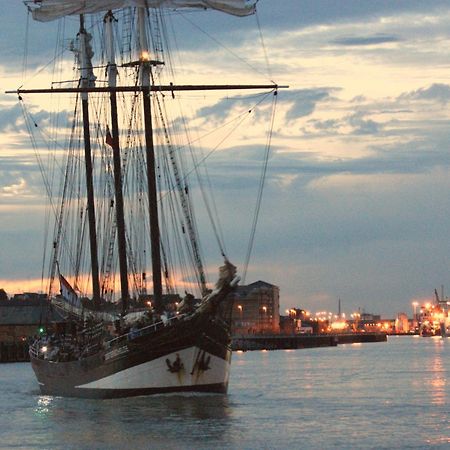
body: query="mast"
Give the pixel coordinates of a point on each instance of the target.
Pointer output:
(112, 81)
(88, 80)
(145, 69)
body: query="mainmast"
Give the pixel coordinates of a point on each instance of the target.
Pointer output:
(145, 71)
(112, 81)
(87, 81)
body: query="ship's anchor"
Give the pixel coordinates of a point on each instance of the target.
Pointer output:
(201, 363)
(176, 366)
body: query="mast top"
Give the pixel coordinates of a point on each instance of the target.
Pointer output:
(48, 10)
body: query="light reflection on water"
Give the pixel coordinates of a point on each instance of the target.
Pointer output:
(384, 395)
(438, 381)
(43, 405)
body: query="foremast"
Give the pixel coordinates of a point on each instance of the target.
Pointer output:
(87, 80)
(120, 217)
(145, 74)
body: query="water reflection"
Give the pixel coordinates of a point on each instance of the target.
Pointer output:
(389, 395)
(44, 405)
(439, 380)
(158, 419)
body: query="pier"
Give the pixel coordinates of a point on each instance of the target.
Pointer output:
(18, 351)
(14, 352)
(299, 341)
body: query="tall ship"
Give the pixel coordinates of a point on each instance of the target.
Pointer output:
(125, 239)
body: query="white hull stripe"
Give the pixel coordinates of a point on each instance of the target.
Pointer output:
(156, 374)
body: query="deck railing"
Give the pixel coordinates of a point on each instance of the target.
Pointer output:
(94, 335)
(144, 331)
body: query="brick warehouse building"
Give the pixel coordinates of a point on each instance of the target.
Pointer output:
(256, 309)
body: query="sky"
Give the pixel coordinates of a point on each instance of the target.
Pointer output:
(357, 195)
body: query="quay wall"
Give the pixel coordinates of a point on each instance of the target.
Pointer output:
(355, 338)
(18, 351)
(281, 342)
(14, 352)
(287, 342)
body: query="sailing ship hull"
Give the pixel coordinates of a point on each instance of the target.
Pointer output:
(193, 356)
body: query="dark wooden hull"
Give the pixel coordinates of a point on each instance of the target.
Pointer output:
(147, 364)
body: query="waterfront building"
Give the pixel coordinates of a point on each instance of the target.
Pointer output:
(298, 321)
(21, 317)
(402, 323)
(256, 309)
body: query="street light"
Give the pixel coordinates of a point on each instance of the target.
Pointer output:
(264, 319)
(240, 312)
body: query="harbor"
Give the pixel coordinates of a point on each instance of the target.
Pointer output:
(11, 352)
(224, 225)
(256, 306)
(294, 342)
(349, 396)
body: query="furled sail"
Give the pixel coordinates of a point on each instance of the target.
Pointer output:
(69, 300)
(47, 10)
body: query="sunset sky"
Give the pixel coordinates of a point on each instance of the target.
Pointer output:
(357, 198)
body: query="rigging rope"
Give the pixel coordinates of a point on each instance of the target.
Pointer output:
(25, 53)
(185, 202)
(261, 189)
(266, 57)
(222, 45)
(179, 183)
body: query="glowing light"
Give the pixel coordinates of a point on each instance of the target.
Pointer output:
(239, 307)
(338, 325)
(145, 56)
(44, 349)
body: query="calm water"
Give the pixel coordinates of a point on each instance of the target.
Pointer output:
(385, 395)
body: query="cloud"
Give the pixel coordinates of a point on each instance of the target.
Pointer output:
(238, 104)
(327, 126)
(356, 196)
(357, 41)
(20, 181)
(303, 102)
(19, 188)
(436, 92)
(354, 124)
(12, 117)
(363, 126)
